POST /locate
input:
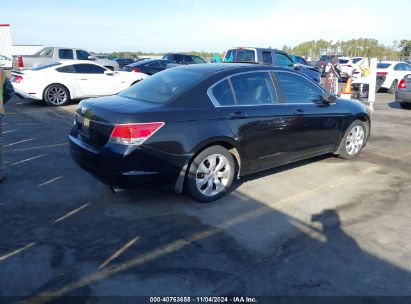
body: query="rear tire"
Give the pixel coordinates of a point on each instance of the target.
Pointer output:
(211, 174)
(56, 95)
(405, 105)
(354, 140)
(393, 87)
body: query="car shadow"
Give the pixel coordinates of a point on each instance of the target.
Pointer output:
(395, 105)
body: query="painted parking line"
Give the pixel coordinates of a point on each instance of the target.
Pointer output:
(70, 213)
(50, 181)
(27, 159)
(36, 148)
(5, 132)
(177, 245)
(10, 254)
(119, 252)
(18, 142)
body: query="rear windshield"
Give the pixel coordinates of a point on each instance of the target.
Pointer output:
(45, 66)
(239, 55)
(383, 65)
(162, 87)
(343, 61)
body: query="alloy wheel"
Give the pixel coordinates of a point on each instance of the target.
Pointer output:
(213, 175)
(57, 96)
(355, 140)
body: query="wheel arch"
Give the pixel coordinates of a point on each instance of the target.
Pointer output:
(362, 117)
(225, 142)
(56, 83)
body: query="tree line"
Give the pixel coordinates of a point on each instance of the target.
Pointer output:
(363, 47)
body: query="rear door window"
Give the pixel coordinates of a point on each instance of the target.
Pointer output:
(267, 58)
(66, 54)
(66, 69)
(188, 59)
(297, 89)
(383, 65)
(255, 88)
(222, 94)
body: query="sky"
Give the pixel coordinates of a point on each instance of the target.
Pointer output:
(209, 25)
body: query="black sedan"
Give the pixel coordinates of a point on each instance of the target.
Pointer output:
(197, 127)
(149, 67)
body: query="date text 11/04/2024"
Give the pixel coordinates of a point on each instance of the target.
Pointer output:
(203, 300)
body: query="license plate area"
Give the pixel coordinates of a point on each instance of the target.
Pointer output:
(83, 125)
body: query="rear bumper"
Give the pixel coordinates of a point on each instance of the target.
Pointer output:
(403, 96)
(25, 95)
(128, 168)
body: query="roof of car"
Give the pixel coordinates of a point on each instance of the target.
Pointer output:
(218, 67)
(144, 61)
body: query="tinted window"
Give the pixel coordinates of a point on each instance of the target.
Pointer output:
(383, 65)
(283, 61)
(89, 69)
(223, 94)
(168, 57)
(66, 54)
(45, 66)
(188, 59)
(300, 60)
(163, 64)
(267, 58)
(82, 55)
(402, 67)
(177, 58)
(153, 64)
(355, 60)
(66, 69)
(240, 55)
(254, 89)
(163, 86)
(343, 61)
(198, 59)
(297, 89)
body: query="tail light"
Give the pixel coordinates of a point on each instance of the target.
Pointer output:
(20, 63)
(17, 79)
(402, 84)
(382, 73)
(134, 134)
(136, 70)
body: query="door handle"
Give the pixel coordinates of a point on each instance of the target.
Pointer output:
(299, 111)
(83, 78)
(238, 114)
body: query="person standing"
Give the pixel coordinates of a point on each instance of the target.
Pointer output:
(6, 91)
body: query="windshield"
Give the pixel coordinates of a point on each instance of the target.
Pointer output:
(383, 65)
(239, 55)
(45, 66)
(162, 87)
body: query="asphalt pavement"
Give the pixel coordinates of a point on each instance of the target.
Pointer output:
(324, 226)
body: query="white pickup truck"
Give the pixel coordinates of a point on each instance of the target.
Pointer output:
(50, 54)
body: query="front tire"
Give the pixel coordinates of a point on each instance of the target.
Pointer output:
(211, 174)
(354, 140)
(56, 95)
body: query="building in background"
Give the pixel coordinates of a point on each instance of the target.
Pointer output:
(6, 45)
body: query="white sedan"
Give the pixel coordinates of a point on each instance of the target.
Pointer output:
(59, 82)
(393, 71)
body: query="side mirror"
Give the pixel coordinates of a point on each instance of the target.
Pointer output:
(91, 58)
(329, 98)
(296, 66)
(109, 73)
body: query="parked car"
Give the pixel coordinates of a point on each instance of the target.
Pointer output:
(311, 71)
(350, 64)
(403, 93)
(198, 127)
(59, 82)
(149, 67)
(393, 71)
(122, 62)
(176, 59)
(53, 54)
(324, 60)
(272, 57)
(5, 62)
